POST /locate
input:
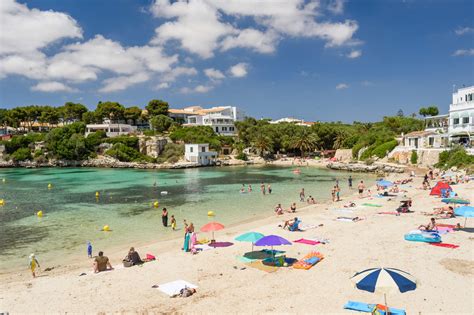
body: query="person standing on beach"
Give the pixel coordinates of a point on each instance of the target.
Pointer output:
(89, 249)
(361, 188)
(338, 193)
(349, 180)
(302, 197)
(173, 222)
(164, 217)
(333, 194)
(33, 264)
(269, 189)
(262, 188)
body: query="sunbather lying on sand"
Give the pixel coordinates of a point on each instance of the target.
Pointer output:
(429, 227)
(350, 205)
(353, 219)
(185, 292)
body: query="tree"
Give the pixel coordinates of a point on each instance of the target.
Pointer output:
(305, 141)
(91, 118)
(161, 123)
(262, 143)
(132, 114)
(400, 113)
(340, 138)
(49, 115)
(429, 111)
(111, 110)
(157, 107)
(72, 112)
(4, 118)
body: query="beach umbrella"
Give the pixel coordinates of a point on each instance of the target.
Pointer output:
(384, 183)
(384, 280)
(212, 227)
(448, 174)
(464, 211)
(249, 237)
(455, 200)
(272, 240)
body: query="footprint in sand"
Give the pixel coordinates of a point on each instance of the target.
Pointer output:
(459, 266)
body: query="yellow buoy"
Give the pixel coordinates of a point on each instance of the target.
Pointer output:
(210, 213)
(106, 228)
(39, 213)
(97, 194)
(2, 202)
(50, 186)
(156, 204)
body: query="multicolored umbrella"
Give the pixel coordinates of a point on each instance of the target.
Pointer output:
(250, 237)
(272, 240)
(456, 200)
(211, 227)
(464, 211)
(384, 280)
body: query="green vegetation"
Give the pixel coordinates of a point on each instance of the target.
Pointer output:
(414, 157)
(171, 153)
(125, 153)
(161, 123)
(200, 134)
(429, 111)
(457, 157)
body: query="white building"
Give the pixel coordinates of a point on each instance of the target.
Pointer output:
(461, 117)
(199, 153)
(291, 120)
(111, 130)
(221, 119)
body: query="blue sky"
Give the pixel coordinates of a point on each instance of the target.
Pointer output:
(317, 60)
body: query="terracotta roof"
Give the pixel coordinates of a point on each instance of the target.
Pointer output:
(422, 133)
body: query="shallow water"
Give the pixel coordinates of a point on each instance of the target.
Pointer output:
(73, 215)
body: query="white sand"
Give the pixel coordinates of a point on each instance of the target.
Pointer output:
(445, 276)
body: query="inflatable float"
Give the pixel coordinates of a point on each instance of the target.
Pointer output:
(421, 236)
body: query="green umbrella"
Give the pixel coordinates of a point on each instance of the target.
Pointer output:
(249, 237)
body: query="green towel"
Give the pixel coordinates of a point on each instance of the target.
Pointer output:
(371, 205)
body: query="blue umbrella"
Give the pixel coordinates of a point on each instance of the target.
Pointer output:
(384, 183)
(384, 280)
(455, 200)
(249, 237)
(464, 211)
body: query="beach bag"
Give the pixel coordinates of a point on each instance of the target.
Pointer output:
(127, 263)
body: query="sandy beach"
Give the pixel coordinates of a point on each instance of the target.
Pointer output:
(225, 285)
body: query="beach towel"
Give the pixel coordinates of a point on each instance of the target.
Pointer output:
(260, 266)
(372, 205)
(367, 308)
(446, 225)
(245, 259)
(174, 287)
(308, 242)
(308, 227)
(344, 210)
(203, 247)
(389, 212)
(348, 219)
(444, 245)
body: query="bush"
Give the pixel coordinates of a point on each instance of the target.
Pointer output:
(171, 153)
(38, 153)
(161, 123)
(414, 157)
(356, 149)
(242, 156)
(21, 154)
(381, 150)
(456, 157)
(127, 154)
(129, 141)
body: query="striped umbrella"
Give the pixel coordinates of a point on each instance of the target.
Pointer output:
(384, 280)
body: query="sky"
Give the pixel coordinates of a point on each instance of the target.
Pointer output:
(323, 60)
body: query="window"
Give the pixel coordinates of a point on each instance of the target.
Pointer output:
(224, 128)
(456, 121)
(203, 149)
(191, 149)
(465, 120)
(430, 141)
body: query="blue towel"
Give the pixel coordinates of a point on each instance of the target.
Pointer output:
(367, 308)
(312, 260)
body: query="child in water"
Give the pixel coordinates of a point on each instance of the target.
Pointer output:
(89, 249)
(173, 222)
(33, 264)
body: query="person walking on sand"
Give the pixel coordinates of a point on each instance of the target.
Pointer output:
(349, 181)
(333, 194)
(164, 217)
(361, 188)
(33, 264)
(302, 197)
(338, 193)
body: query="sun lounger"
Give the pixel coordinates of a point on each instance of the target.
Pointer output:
(174, 287)
(308, 261)
(367, 308)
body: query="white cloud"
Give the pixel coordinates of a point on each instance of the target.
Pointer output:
(52, 86)
(336, 6)
(177, 72)
(214, 74)
(27, 30)
(342, 86)
(464, 30)
(464, 52)
(162, 86)
(354, 54)
(239, 70)
(122, 82)
(253, 39)
(196, 89)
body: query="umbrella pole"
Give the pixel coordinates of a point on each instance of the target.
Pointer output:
(385, 299)
(465, 220)
(252, 246)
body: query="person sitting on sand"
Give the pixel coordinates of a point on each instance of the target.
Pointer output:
(289, 223)
(102, 263)
(311, 200)
(132, 258)
(429, 227)
(279, 209)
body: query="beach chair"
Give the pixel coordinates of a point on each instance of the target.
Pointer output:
(294, 226)
(308, 261)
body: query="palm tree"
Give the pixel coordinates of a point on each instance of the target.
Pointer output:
(262, 143)
(341, 136)
(305, 141)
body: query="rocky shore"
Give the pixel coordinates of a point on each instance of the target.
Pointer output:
(374, 168)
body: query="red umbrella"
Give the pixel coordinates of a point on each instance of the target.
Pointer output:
(211, 227)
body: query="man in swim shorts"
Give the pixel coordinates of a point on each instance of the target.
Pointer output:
(361, 188)
(102, 263)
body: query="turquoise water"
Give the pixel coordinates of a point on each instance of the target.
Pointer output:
(73, 215)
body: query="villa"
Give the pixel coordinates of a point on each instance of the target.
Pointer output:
(291, 120)
(221, 119)
(111, 130)
(199, 153)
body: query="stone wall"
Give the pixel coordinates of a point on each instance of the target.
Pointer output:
(374, 168)
(343, 155)
(152, 146)
(426, 157)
